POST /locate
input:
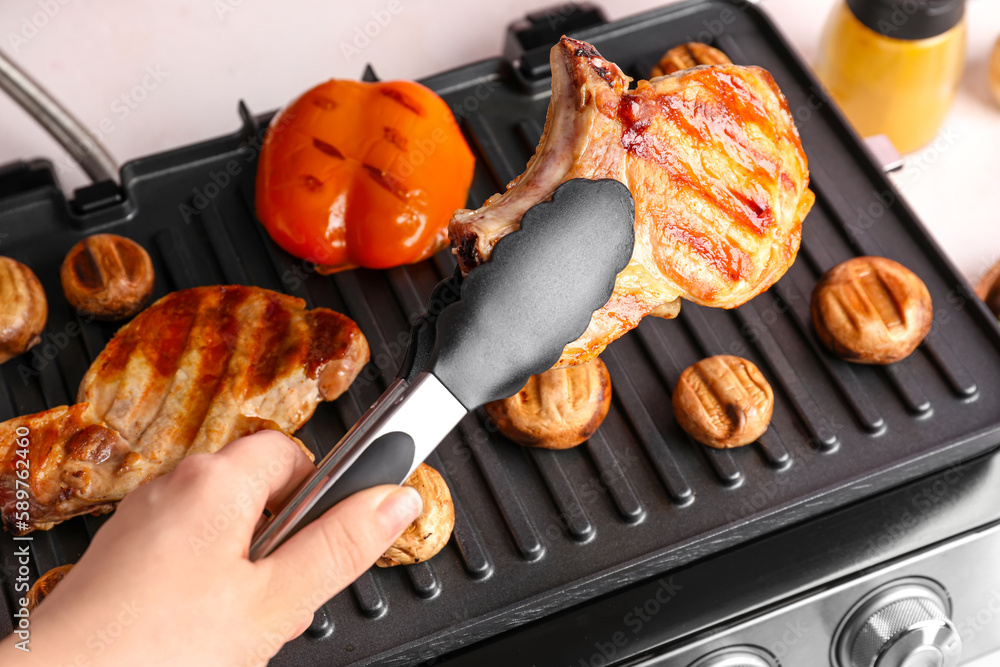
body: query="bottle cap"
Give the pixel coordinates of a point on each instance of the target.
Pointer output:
(908, 19)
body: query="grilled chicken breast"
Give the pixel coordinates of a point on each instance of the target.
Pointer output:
(193, 372)
(715, 165)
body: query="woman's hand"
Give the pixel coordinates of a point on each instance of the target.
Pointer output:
(167, 581)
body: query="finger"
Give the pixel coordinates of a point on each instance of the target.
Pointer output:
(327, 555)
(267, 465)
(303, 467)
(271, 459)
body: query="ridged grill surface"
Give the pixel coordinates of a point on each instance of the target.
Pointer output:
(538, 531)
(887, 623)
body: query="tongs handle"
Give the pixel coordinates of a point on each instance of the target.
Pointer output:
(511, 320)
(397, 433)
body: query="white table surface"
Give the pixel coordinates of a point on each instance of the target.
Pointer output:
(211, 53)
(99, 59)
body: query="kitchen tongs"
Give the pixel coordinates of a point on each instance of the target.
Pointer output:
(507, 320)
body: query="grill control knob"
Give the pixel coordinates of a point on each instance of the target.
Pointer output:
(736, 656)
(904, 624)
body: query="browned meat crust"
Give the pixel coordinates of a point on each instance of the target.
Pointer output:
(194, 371)
(713, 160)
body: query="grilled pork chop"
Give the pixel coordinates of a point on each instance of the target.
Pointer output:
(193, 372)
(713, 160)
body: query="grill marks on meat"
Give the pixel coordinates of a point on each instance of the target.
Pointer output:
(715, 165)
(69, 451)
(196, 370)
(79, 465)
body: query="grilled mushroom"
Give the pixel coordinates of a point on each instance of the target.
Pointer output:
(23, 309)
(108, 276)
(723, 401)
(687, 56)
(871, 310)
(42, 588)
(558, 409)
(426, 536)
(988, 289)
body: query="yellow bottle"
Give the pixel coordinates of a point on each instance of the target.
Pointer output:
(894, 66)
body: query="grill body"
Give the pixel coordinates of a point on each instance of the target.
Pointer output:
(537, 531)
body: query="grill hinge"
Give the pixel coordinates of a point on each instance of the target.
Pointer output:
(528, 40)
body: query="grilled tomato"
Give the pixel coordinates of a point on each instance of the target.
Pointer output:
(363, 174)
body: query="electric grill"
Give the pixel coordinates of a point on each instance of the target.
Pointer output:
(640, 546)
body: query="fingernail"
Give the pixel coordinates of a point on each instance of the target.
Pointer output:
(400, 508)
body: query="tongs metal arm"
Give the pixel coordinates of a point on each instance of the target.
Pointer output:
(396, 434)
(89, 153)
(510, 319)
(394, 459)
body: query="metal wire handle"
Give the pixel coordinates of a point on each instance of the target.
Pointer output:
(89, 153)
